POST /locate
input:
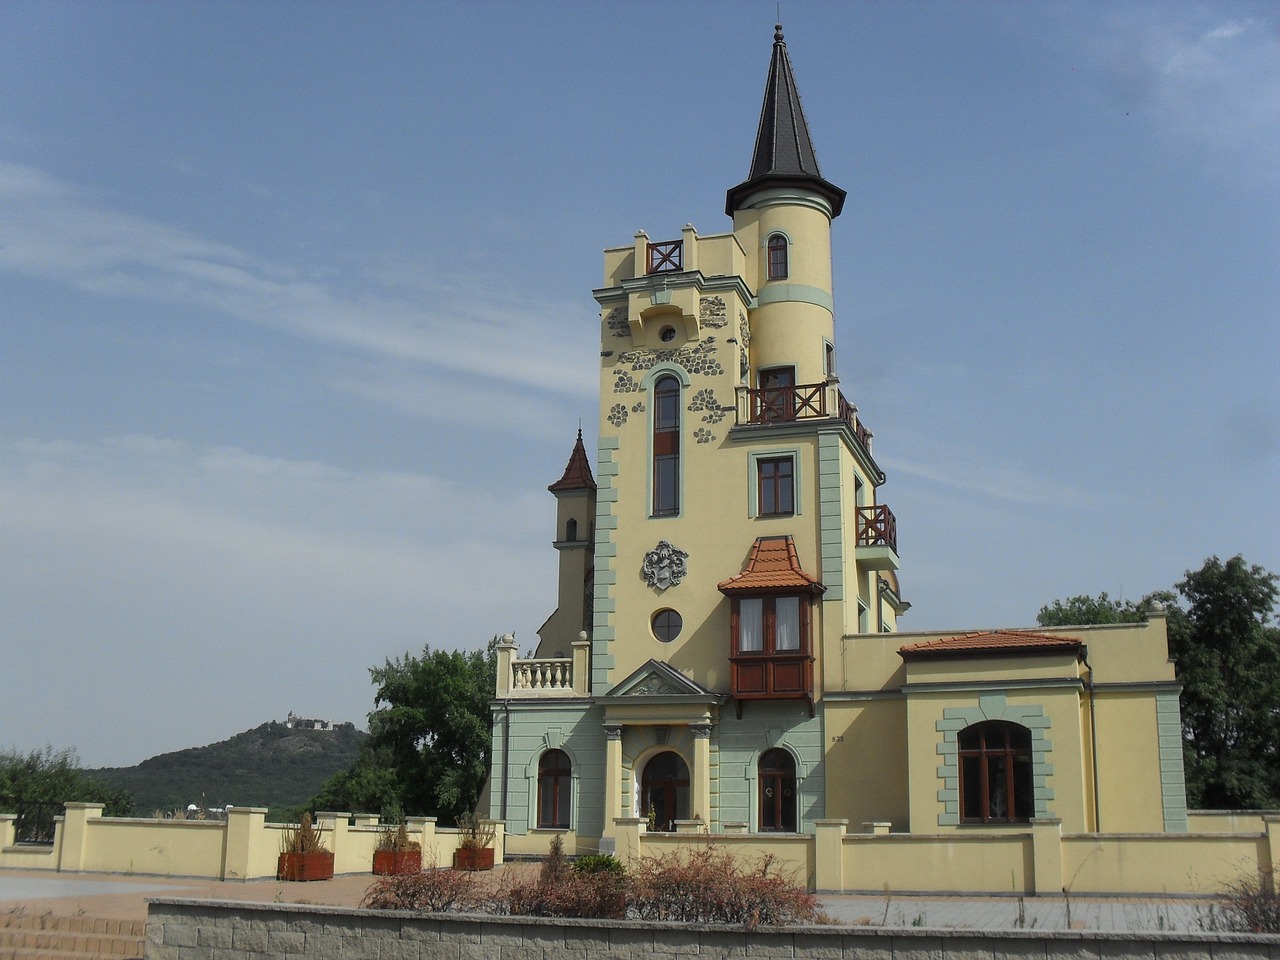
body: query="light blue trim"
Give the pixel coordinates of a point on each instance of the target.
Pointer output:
(992, 706)
(1173, 788)
(753, 485)
(603, 603)
(830, 517)
(779, 291)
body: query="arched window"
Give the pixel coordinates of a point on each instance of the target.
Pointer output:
(996, 784)
(571, 529)
(778, 791)
(777, 257)
(664, 791)
(666, 447)
(555, 788)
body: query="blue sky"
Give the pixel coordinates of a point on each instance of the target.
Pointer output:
(296, 324)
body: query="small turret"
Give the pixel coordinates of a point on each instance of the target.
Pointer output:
(575, 493)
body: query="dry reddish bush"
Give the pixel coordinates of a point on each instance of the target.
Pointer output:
(432, 891)
(1252, 905)
(710, 885)
(571, 894)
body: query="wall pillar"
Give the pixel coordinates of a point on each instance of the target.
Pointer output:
(1271, 824)
(8, 830)
(506, 651)
(1046, 856)
(828, 855)
(628, 831)
(345, 858)
(423, 829)
(243, 840)
(75, 829)
(612, 779)
(700, 798)
(582, 665)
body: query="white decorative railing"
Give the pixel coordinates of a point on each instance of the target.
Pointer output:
(540, 677)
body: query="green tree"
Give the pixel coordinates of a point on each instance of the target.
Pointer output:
(1227, 647)
(1226, 644)
(54, 776)
(429, 738)
(1082, 610)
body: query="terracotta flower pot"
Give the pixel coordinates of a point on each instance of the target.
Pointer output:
(467, 859)
(394, 862)
(305, 866)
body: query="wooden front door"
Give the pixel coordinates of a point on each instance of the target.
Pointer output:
(664, 791)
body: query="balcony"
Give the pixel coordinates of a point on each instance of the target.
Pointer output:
(809, 401)
(877, 546)
(542, 677)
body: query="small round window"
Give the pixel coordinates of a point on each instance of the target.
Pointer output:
(667, 334)
(667, 625)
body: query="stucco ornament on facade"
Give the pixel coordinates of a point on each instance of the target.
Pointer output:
(664, 566)
(711, 312)
(618, 323)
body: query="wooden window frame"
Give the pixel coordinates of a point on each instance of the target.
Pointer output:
(560, 779)
(770, 484)
(778, 257)
(1018, 775)
(770, 673)
(666, 447)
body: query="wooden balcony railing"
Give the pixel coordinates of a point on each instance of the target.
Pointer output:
(666, 257)
(877, 526)
(807, 401)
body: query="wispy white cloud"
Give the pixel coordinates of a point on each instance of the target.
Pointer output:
(228, 584)
(1213, 84)
(1000, 482)
(459, 326)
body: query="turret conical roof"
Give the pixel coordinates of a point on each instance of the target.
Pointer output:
(784, 151)
(577, 473)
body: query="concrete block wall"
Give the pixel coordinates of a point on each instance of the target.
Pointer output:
(204, 930)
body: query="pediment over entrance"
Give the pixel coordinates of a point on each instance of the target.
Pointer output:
(658, 679)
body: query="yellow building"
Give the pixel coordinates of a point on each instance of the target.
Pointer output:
(725, 647)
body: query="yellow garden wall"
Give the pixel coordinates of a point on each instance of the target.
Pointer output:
(243, 847)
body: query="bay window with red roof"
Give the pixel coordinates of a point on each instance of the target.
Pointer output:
(771, 644)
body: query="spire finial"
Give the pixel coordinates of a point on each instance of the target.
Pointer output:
(777, 33)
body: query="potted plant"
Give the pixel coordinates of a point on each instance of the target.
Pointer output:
(474, 851)
(395, 852)
(302, 854)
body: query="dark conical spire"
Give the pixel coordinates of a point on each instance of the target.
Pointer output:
(577, 473)
(784, 152)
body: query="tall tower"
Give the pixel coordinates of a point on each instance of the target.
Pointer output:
(737, 533)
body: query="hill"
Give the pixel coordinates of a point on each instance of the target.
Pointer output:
(273, 765)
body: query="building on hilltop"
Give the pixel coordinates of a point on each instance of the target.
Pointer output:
(725, 650)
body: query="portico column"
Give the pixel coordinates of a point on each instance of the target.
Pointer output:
(701, 798)
(612, 778)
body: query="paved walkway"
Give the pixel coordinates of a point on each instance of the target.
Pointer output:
(125, 898)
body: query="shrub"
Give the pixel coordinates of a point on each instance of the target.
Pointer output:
(599, 863)
(709, 885)
(433, 891)
(574, 894)
(1251, 906)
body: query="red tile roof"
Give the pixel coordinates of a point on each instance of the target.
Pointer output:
(991, 643)
(577, 474)
(772, 566)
